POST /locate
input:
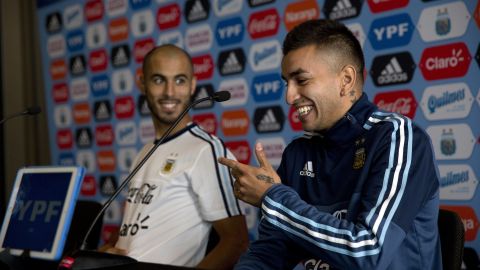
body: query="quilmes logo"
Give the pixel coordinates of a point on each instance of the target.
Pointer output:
(391, 31)
(196, 10)
(443, 21)
(452, 142)
(203, 66)
(120, 56)
(104, 135)
(256, 3)
(235, 123)
(268, 119)
(342, 9)
(238, 91)
(126, 133)
(266, 55)
(207, 121)
(172, 37)
(141, 48)
(118, 29)
(75, 41)
(203, 91)
(377, 6)
(53, 22)
(142, 23)
(392, 69)
(168, 16)
(98, 60)
(241, 150)
(457, 182)
(445, 61)
(300, 11)
(267, 87)
(83, 137)
(116, 7)
(73, 16)
(102, 110)
(199, 38)
(227, 7)
(449, 101)
(229, 31)
(264, 23)
(77, 65)
(94, 10)
(273, 148)
(56, 46)
(308, 170)
(100, 85)
(231, 62)
(400, 101)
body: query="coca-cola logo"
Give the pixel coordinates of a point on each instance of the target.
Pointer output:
(141, 48)
(241, 150)
(401, 101)
(206, 121)
(104, 135)
(264, 23)
(445, 61)
(94, 10)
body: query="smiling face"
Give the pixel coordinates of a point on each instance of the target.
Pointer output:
(168, 84)
(319, 87)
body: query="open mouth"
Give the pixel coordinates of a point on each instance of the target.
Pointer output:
(304, 110)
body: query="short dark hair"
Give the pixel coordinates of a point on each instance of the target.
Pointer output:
(329, 34)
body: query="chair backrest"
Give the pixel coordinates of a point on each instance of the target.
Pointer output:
(452, 238)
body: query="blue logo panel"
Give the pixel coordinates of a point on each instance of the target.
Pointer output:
(100, 85)
(267, 87)
(390, 32)
(229, 31)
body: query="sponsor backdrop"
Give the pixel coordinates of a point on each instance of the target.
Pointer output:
(422, 60)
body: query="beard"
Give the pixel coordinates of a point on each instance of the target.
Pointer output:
(166, 118)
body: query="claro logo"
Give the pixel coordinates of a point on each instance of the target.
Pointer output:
(445, 61)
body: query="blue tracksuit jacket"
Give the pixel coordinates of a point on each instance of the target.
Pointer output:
(362, 196)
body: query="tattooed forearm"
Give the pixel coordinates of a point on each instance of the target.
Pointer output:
(265, 178)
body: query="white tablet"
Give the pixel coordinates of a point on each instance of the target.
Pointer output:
(40, 209)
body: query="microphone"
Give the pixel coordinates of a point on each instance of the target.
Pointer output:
(217, 97)
(33, 110)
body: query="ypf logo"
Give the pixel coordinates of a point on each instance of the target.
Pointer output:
(231, 62)
(268, 87)
(264, 23)
(207, 122)
(75, 41)
(385, 5)
(104, 135)
(392, 69)
(235, 123)
(203, 91)
(265, 55)
(141, 48)
(268, 119)
(229, 31)
(94, 10)
(196, 10)
(168, 16)
(445, 61)
(342, 9)
(400, 101)
(238, 91)
(469, 220)
(241, 150)
(203, 66)
(64, 139)
(98, 60)
(100, 85)
(124, 107)
(391, 31)
(301, 11)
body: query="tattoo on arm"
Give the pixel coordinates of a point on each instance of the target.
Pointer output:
(265, 178)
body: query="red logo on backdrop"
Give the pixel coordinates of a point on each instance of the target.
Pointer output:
(58, 69)
(207, 121)
(235, 123)
(241, 150)
(298, 12)
(64, 139)
(89, 186)
(94, 10)
(264, 23)
(124, 107)
(469, 219)
(118, 29)
(141, 48)
(60, 92)
(476, 14)
(81, 113)
(106, 160)
(445, 61)
(168, 16)
(384, 5)
(401, 101)
(98, 60)
(295, 122)
(108, 231)
(203, 66)
(138, 77)
(104, 135)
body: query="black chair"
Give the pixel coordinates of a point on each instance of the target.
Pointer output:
(452, 239)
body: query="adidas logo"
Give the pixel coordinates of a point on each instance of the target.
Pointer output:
(392, 73)
(197, 12)
(269, 122)
(120, 57)
(78, 66)
(308, 170)
(231, 65)
(343, 9)
(102, 112)
(84, 138)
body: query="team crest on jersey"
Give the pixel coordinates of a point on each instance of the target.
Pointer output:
(169, 164)
(360, 154)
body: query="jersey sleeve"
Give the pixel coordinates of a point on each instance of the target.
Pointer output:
(400, 182)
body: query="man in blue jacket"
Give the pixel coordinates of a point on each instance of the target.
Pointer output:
(360, 189)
